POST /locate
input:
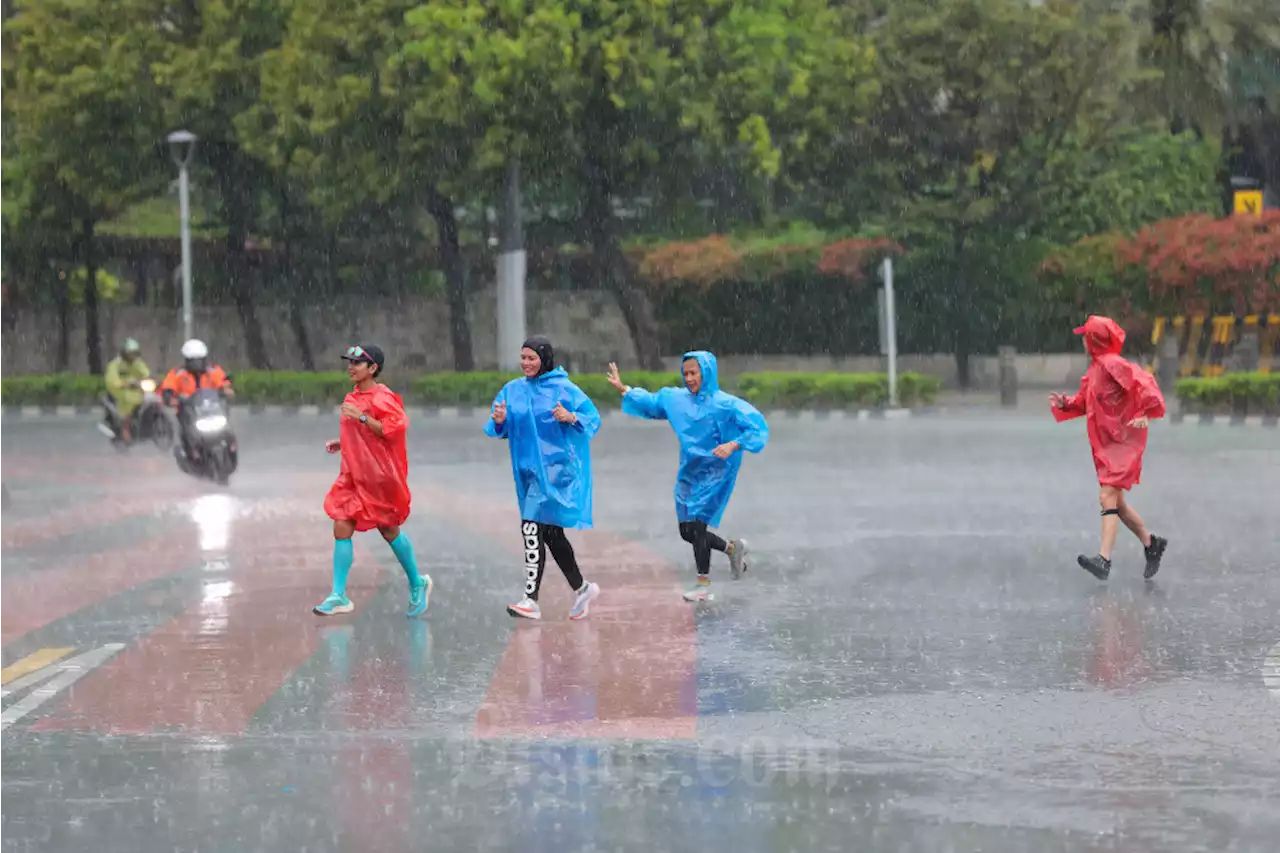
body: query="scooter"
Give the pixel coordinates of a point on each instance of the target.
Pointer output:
(208, 447)
(150, 421)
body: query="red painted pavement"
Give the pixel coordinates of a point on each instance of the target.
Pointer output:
(211, 668)
(627, 671)
(34, 599)
(373, 788)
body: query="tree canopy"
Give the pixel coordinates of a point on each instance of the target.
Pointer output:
(365, 142)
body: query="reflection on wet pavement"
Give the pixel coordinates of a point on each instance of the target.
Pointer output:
(913, 662)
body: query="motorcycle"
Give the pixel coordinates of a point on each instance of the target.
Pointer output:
(150, 421)
(208, 447)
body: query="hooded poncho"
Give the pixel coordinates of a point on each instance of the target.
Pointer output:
(372, 488)
(550, 461)
(1112, 393)
(703, 422)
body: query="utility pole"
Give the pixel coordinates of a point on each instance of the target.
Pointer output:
(512, 262)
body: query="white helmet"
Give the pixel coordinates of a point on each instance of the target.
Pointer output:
(194, 349)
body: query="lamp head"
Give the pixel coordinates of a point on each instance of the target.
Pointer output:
(182, 144)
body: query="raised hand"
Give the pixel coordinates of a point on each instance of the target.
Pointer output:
(614, 379)
(351, 410)
(499, 412)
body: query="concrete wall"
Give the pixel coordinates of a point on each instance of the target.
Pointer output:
(587, 327)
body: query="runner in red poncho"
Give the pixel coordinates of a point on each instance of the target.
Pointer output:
(1118, 398)
(372, 489)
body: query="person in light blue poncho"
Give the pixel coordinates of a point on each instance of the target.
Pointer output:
(548, 424)
(713, 427)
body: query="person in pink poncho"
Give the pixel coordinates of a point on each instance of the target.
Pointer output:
(1119, 399)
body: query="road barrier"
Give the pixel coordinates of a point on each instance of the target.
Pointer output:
(1234, 343)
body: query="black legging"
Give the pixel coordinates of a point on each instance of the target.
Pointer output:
(537, 539)
(703, 542)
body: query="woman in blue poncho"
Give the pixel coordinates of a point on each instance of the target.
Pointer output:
(548, 424)
(713, 427)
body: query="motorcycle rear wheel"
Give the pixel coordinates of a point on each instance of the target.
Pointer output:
(161, 430)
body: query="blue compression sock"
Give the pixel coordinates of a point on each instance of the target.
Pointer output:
(343, 554)
(403, 549)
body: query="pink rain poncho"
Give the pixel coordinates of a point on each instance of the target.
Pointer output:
(372, 488)
(1112, 393)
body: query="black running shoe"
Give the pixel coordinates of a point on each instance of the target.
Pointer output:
(1154, 552)
(1099, 566)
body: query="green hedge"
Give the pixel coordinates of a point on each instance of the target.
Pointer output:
(286, 388)
(51, 389)
(1235, 392)
(290, 388)
(834, 390)
(479, 388)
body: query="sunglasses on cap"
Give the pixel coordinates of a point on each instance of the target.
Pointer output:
(358, 354)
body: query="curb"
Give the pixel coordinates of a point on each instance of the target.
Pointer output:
(468, 412)
(1269, 421)
(38, 412)
(462, 412)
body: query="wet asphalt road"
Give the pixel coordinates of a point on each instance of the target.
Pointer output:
(913, 662)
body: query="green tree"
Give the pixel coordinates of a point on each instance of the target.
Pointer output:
(210, 68)
(981, 97)
(1099, 195)
(81, 98)
(602, 95)
(1129, 178)
(1219, 76)
(1196, 45)
(341, 114)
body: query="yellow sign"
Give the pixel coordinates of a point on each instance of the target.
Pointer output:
(1248, 202)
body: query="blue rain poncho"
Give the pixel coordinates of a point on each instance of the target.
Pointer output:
(551, 461)
(703, 422)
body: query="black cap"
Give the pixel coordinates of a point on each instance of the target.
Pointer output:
(546, 353)
(367, 353)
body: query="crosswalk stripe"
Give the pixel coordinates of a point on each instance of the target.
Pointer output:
(32, 662)
(68, 672)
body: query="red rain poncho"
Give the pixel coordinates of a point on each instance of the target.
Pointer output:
(1112, 393)
(372, 488)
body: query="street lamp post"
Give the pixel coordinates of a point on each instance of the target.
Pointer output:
(512, 262)
(889, 321)
(182, 144)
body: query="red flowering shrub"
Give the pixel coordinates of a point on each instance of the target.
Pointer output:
(703, 262)
(1195, 264)
(715, 259)
(1200, 263)
(853, 259)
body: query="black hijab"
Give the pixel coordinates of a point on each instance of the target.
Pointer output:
(542, 346)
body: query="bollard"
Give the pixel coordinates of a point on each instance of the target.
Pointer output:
(1008, 376)
(1246, 354)
(1167, 367)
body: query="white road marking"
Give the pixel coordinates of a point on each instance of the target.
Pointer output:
(1271, 671)
(59, 676)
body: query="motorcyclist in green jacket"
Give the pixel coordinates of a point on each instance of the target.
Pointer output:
(124, 378)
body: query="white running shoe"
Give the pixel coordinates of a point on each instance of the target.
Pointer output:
(700, 592)
(527, 609)
(334, 605)
(583, 602)
(737, 558)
